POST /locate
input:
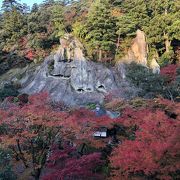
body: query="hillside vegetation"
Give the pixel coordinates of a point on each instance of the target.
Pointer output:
(106, 27)
(120, 138)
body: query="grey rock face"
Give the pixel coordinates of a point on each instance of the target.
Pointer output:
(75, 80)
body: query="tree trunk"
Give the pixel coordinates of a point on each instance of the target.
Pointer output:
(166, 37)
(118, 43)
(100, 55)
(167, 43)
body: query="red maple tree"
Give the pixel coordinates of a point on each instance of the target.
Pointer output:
(67, 164)
(169, 72)
(30, 129)
(153, 152)
(40, 133)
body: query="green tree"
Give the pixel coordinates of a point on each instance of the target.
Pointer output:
(66, 2)
(14, 22)
(125, 28)
(57, 20)
(137, 11)
(46, 25)
(158, 18)
(33, 23)
(9, 5)
(101, 28)
(14, 25)
(34, 8)
(25, 8)
(133, 16)
(164, 25)
(48, 3)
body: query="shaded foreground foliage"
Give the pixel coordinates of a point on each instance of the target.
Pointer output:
(142, 143)
(8, 90)
(6, 172)
(165, 84)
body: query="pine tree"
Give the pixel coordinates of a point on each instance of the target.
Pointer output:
(14, 21)
(57, 20)
(158, 18)
(137, 11)
(48, 3)
(133, 16)
(100, 28)
(34, 7)
(13, 25)
(126, 27)
(9, 5)
(164, 26)
(33, 23)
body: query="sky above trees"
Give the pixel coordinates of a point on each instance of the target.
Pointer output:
(28, 2)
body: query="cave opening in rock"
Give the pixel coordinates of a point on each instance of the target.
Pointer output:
(89, 89)
(61, 76)
(101, 87)
(66, 76)
(67, 61)
(80, 90)
(58, 75)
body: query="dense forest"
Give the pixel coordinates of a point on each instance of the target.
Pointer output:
(106, 28)
(134, 138)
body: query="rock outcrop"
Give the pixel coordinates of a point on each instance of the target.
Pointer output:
(78, 82)
(138, 51)
(69, 77)
(155, 66)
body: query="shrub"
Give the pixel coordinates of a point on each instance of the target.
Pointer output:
(6, 172)
(23, 98)
(169, 72)
(172, 79)
(165, 59)
(150, 84)
(143, 147)
(166, 84)
(66, 163)
(8, 90)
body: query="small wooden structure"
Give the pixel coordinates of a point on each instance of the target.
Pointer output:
(101, 133)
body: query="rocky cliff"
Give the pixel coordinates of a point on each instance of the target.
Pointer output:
(69, 77)
(138, 51)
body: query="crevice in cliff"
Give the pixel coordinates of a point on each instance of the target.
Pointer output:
(80, 90)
